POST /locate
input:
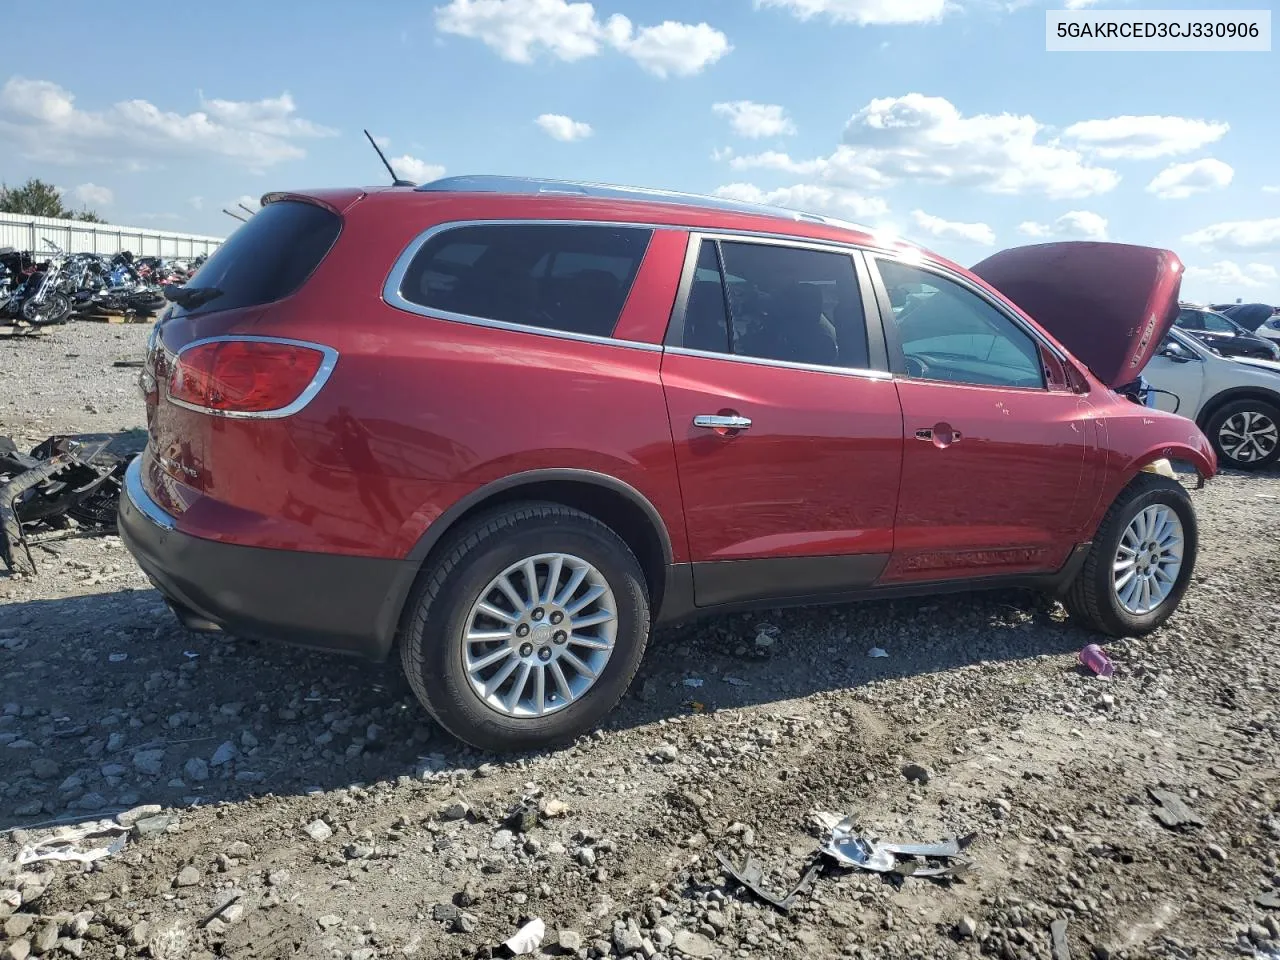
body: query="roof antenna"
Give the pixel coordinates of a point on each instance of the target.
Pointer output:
(395, 181)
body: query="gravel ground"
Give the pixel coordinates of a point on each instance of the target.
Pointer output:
(289, 804)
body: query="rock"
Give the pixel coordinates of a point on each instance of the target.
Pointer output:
(966, 927)
(553, 810)
(364, 953)
(115, 742)
(626, 937)
(223, 755)
(129, 817)
(502, 840)
(18, 925)
(248, 740)
(693, 945)
(44, 768)
(465, 923)
(456, 811)
(717, 921)
(1217, 852)
(1108, 701)
(150, 762)
(112, 770)
(329, 920)
(468, 896)
(91, 801)
(569, 941)
(188, 876)
(45, 939)
(73, 946)
(1058, 944)
(239, 849)
(318, 831)
(233, 914)
(917, 773)
(17, 950)
(358, 851)
(1258, 933)
(666, 753)
(586, 856)
(196, 770)
(151, 826)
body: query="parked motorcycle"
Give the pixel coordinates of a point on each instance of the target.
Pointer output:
(43, 297)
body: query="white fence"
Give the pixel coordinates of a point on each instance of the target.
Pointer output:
(75, 236)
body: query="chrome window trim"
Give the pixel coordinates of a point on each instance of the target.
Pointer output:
(392, 296)
(139, 498)
(857, 372)
(321, 377)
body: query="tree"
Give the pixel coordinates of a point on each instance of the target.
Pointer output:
(35, 198)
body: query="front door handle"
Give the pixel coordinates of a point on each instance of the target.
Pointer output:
(721, 421)
(940, 435)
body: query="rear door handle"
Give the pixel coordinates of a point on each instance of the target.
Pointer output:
(940, 435)
(721, 421)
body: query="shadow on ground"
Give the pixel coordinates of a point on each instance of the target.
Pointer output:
(107, 702)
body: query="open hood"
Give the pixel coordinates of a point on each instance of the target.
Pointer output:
(1110, 304)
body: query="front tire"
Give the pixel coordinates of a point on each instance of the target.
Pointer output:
(1141, 561)
(527, 629)
(1245, 434)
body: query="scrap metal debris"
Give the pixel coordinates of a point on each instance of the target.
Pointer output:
(1172, 811)
(751, 876)
(77, 477)
(848, 847)
(63, 844)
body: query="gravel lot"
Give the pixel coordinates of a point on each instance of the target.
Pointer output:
(311, 795)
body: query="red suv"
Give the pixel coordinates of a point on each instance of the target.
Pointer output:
(510, 425)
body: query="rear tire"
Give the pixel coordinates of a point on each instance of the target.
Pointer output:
(1151, 523)
(477, 588)
(1245, 434)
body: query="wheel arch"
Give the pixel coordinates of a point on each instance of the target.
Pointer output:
(617, 504)
(1231, 395)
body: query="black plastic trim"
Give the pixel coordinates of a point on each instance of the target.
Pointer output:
(679, 606)
(318, 600)
(733, 581)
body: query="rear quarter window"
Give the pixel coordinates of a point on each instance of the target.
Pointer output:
(268, 258)
(568, 278)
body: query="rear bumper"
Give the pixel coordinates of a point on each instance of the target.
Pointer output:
(324, 601)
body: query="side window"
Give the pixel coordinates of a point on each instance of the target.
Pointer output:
(1190, 320)
(777, 303)
(1216, 323)
(574, 279)
(949, 333)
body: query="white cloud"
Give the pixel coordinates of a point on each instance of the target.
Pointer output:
(419, 171)
(1075, 225)
(863, 12)
(518, 30)
(1229, 275)
(1181, 180)
(1239, 235)
(756, 120)
(978, 233)
(1144, 138)
(42, 120)
(811, 198)
(1271, 189)
(91, 193)
(566, 129)
(722, 153)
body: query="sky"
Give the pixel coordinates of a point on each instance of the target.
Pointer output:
(945, 120)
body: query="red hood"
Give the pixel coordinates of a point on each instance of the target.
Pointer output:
(1110, 304)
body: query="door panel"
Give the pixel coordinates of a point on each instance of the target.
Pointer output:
(1004, 498)
(1182, 378)
(815, 475)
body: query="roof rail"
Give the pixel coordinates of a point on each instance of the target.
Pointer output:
(486, 183)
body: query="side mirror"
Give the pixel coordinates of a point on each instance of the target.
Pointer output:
(1175, 352)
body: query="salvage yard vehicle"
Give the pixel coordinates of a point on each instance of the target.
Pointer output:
(1224, 335)
(1235, 401)
(507, 426)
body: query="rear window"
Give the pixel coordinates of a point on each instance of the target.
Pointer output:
(268, 258)
(574, 279)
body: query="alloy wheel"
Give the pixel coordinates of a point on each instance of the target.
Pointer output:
(539, 635)
(1148, 559)
(1248, 436)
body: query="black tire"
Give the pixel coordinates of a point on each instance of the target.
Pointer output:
(1091, 599)
(1237, 408)
(435, 623)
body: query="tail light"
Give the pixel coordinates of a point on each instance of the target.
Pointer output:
(249, 376)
